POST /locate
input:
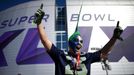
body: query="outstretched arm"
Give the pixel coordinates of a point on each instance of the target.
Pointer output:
(108, 47)
(38, 20)
(44, 39)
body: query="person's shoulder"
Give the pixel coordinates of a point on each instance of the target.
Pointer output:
(56, 49)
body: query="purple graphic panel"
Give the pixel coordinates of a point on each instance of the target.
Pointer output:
(86, 35)
(29, 53)
(5, 39)
(108, 30)
(122, 48)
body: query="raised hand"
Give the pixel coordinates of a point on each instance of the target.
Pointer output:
(39, 15)
(117, 32)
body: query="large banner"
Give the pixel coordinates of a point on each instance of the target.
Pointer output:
(96, 24)
(21, 51)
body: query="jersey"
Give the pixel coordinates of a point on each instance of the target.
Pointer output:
(64, 62)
